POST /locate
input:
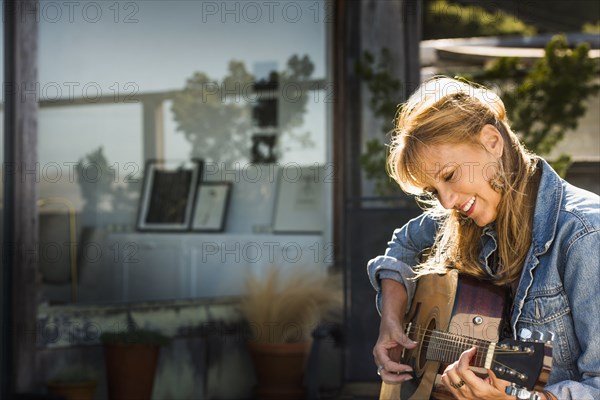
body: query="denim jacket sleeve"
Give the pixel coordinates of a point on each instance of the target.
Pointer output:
(582, 282)
(403, 252)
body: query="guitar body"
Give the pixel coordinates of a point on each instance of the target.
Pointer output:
(462, 306)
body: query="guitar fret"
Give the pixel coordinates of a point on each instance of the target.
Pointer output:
(484, 354)
(447, 348)
(458, 346)
(463, 345)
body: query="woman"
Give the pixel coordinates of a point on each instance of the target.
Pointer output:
(497, 213)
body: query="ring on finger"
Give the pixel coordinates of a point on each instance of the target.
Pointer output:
(379, 370)
(457, 385)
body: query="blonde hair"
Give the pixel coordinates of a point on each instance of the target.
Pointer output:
(449, 111)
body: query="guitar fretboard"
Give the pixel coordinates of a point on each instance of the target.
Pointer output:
(447, 348)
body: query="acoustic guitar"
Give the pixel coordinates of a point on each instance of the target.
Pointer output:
(450, 314)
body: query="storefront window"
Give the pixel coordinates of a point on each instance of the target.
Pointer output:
(240, 88)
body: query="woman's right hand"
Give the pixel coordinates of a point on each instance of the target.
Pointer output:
(392, 340)
(388, 349)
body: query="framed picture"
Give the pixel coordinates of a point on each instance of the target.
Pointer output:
(168, 195)
(299, 205)
(210, 208)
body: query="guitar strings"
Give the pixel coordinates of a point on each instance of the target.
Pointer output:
(457, 345)
(449, 336)
(462, 341)
(461, 346)
(452, 337)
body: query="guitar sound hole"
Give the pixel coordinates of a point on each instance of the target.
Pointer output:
(425, 344)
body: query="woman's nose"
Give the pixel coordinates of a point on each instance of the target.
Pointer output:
(447, 198)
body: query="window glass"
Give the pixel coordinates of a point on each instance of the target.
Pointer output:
(241, 86)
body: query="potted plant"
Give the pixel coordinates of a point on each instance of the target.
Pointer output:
(131, 357)
(73, 383)
(282, 310)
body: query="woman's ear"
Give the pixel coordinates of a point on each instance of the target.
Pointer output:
(492, 140)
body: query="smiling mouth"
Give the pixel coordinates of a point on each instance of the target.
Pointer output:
(467, 208)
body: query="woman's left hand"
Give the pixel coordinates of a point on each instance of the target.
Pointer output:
(473, 387)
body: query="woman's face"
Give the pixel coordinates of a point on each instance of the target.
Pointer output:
(458, 175)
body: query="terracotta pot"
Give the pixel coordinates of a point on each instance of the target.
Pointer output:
(130, 370)
(279, 369)
(73, 391)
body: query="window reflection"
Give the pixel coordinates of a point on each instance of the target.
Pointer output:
(220, 119)
(244, 91)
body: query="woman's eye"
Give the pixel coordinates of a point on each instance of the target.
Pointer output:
(449, 177)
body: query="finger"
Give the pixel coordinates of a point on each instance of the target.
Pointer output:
(396, 368)
(392, 363)
(474, 387)
(399, 340)
(465, 358)
(450, 380)
(463, 368)
(388, 365)
(385, 346)
(405, 341)
(452, 377)
(382, 354)
(394, 378)
(498, 383)
(454, 365)
(491, 378)
(394, 332)
(389, 370)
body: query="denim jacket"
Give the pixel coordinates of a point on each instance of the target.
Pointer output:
(559, 289)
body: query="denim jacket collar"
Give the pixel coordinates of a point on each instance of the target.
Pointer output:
(545, 217)
(489, 244)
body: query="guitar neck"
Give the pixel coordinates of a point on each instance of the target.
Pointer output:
(447, 347)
